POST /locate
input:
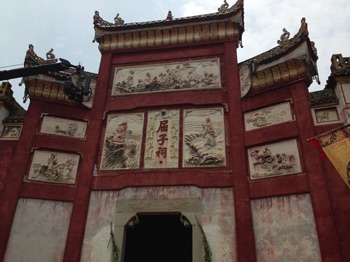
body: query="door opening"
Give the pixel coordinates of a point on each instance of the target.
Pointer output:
(158, 237)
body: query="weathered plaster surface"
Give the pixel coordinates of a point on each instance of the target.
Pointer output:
(39, 231)
(285, 229)
(217, 219)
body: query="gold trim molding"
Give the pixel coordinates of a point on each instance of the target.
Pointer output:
(281, 74)
(160, 37)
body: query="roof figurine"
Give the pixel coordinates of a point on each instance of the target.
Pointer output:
(50, 54)
(223, 8)
(169, 16)
(118, 20)
(284, 37)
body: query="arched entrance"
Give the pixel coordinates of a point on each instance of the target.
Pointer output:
(158, 237)
(165, 213)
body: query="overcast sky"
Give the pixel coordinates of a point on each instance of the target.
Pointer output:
(66, 26)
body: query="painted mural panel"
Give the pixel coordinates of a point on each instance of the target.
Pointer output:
(285, 229)
(162, 139)
(187, 75)
(218, 218)
(39, 231)
(54, 167)
(204, 138)
(63, 127)
(276, 159)
(268, 116)
(122, 145)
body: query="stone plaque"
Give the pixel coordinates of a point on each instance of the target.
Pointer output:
(162, 139)
(326, 115)
(63, 127)
(276, 159)
(268, 116)
(186, 75)
(11, 131)
(204, 138)
(122, 145)
(54, 167)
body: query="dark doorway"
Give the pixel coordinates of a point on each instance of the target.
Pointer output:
(159, 238)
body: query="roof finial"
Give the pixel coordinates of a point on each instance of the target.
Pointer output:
(303, 27)
(169, 16)
(223, 8)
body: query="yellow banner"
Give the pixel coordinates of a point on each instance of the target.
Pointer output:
(339, 154)
(336, 145)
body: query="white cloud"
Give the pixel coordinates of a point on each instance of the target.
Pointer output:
(67, 26)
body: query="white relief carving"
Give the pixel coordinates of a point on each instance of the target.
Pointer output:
(122, 145)
(268, 116)
(11, 131)
(204, 138)
(54, 167)
(202, 74)
(326, 115)
(274, 160)
(63, 127)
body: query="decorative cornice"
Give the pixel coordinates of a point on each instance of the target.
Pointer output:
(16, 112)
(225, 24)
(282, 74)
(323, 97)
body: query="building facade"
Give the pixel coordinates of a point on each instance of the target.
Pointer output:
(179, 152)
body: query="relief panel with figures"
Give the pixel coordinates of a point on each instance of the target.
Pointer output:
(11, 131)
(326, 115)
(204, 138)
(189, 75)
(63, 127)
(54, 167)
(122, 144)
(268, 116)
(276, 159)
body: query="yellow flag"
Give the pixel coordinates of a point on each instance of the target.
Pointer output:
(336, 145)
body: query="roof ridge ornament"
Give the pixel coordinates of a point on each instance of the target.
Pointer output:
(169, 16)
(224, 7)
(98, 21)
(284, 37)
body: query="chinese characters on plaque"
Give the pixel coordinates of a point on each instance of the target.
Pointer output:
(203, 140)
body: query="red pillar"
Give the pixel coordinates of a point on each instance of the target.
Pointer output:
(244, 225)
(16, 173)
(76, 231)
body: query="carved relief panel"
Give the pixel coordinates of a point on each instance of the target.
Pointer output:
(63, 127)
(122, 142)
(187, 75)
(276, 159)
(54, 167)
(204, 138)
(326, 115)
(268, 116)
(11, 131)
(162, 139)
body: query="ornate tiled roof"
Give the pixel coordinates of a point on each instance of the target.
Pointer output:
(340, 67)
(323, 97)
(286, 45)
(16, 112)
(226, 23)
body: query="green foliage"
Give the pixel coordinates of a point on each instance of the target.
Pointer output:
(115, 248)
(207, 250)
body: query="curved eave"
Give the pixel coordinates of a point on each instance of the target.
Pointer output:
(202, 28)
(51, 88)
